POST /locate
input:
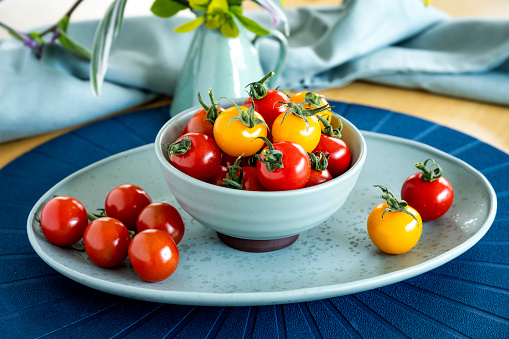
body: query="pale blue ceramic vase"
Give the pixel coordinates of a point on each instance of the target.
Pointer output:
(224, 64)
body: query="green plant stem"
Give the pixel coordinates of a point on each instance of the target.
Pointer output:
(68, 13)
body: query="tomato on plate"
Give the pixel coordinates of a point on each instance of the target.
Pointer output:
(63, 220)
(195, 154)
(154, 255)
(203, 120)
(236, 131)
(283, 166)
(319, 173)
(162, 216)
(297, 125)
(394, 226)
(428, 191)
(106, 241)
(268, 102)
(125, 202)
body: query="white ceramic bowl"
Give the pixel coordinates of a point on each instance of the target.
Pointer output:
(258, 215)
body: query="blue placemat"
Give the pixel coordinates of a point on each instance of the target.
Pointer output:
(467, 297)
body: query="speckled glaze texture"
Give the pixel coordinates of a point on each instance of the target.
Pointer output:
(335, 258)
(258, 215)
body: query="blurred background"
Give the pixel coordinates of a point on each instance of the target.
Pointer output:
(27, 14)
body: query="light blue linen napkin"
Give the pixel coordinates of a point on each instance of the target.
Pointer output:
(397, 42)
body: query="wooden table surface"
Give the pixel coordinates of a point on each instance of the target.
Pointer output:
(486, 122)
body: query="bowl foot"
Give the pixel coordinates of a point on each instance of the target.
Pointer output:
(258, 246)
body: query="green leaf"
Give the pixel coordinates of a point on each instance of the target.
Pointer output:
(166, 8)
(73, 46)
(199, 5)
(190, 25)
(12, 32)
(230, 29)
(105, 35)
(217, 5)
(250, 24)
(37, 37)
(63, 23)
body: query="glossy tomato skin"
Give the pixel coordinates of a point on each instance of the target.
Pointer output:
(154, 255)
(269, 107)
(202, 160)
(250, 179)
(431, 199)
(293, 128)
(397, 232)
(164, 217)
(106, 241)
(199, 123)
(294, 174)
(63, 220)
(125, 202)
(218, 179)
(340, 155)
(236, 139)
(318, 177)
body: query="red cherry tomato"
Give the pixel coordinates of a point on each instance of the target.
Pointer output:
(63, 220)
(269, 107)
(251, 181)
(228, 160)
(294, 172)
(318, 177)
(195, 154)
(125, 202)
(164, 217)
(106, 241)
(432, 199)
(339, 154)
(199, 123)
(218, 179)
(154, 255)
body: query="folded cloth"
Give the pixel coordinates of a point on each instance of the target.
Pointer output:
(397, 42)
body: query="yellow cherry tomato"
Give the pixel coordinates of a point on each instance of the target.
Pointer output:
(301, 96)
(397, 232)
(293, 128)
(235, 138)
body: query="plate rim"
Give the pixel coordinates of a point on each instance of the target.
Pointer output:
(264, 297)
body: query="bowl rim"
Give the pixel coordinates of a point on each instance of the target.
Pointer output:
(352, 171)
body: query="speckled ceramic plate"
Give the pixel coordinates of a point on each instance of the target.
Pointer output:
(335, 258)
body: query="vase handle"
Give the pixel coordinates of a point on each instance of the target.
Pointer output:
(283, 52)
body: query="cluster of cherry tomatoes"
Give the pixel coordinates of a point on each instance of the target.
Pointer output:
(272, 142)
(395, 226)
(131, 225)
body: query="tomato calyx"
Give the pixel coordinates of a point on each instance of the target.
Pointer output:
(299, 111)
(212, 111)
(178, 147)
(429, 174)
(247, 117)
(271, 157)
(93, 216)
(393, 204)
(319, 160)
(234, 176)
(313, 100)
(257, 89)
(328, 129)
